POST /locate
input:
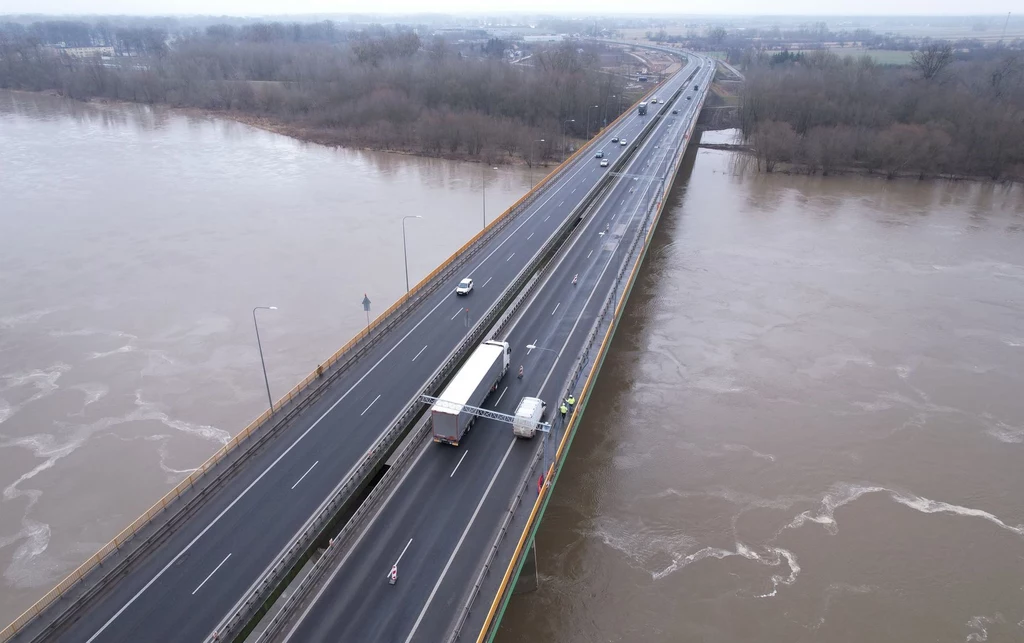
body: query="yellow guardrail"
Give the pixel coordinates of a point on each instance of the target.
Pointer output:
(74, 577)
(581, 404)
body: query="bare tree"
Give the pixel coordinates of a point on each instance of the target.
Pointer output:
(931, 60)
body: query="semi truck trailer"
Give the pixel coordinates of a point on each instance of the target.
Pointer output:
(478, 377)
(641, 109)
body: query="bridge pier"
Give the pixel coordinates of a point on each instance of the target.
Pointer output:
(529, 578)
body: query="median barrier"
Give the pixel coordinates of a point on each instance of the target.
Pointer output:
(613, 306)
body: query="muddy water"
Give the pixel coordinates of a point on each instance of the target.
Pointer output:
(134, 244)
(810, 428)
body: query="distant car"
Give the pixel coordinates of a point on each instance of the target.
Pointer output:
(600, 154)
(604, 162)
(675, 111)
(689, 97)
(622, 142)
(654, 100)
(465, 287)
(615, 139)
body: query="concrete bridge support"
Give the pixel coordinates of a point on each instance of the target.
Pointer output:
(529, 577)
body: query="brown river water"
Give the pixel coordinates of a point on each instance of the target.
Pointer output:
(810, 427)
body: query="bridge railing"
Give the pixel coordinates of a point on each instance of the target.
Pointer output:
(271, 422)
(612, 307)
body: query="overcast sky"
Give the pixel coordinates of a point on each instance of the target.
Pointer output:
(591, 7)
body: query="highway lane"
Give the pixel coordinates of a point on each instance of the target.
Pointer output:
(439, 522)
(183, 589)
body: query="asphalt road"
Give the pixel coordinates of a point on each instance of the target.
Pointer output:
(182, 590)
(440, 520)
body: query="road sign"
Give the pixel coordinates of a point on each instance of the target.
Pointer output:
(366, 303)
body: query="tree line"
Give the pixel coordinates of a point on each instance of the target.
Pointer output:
(938, 116)
(372, 87)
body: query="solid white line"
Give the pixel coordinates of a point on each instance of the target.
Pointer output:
(208, 577)
(464, 453)
(260, 477)
(421, 351)
(456, 314)
(556, 307)
(458, 546)
(371, 404)
(404, 550)
(500, 396)
(305, 474)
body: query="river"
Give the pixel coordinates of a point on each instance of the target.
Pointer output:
(810, 426)
(134, 244)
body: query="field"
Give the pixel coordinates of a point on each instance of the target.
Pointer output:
(881, 56)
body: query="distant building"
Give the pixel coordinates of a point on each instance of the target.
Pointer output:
(545, 38)
(86, 52)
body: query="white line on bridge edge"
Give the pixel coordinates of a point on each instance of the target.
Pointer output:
(421, 351)
(371, 404)
(305, 474)
(464, 453)
(458, 546)
(500, 396)
(404, 550)
(556, 307)
(211, 574)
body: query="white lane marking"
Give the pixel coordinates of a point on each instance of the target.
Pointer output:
(588, 257)
(510, 257)
(573, 191)
(459, 312)
(260, 477)
(371, 404)
(489, 278)
(556, 307)
(561, 204)
(421, 351)
(305, 474)
(500, 396)
(458, 546)
(466, 452)
(531, 236)
(208, 577)
(404, 550)
(547, 217)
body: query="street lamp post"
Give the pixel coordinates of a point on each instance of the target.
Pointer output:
(571, 120)
(539, 140)
(405, 249)
(483, 190)
(588, 119)
(259, 344)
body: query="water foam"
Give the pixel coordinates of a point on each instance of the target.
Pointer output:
(1006, 433)
(6, 410)
(772, 557)
(12, 321)
(44, 380)
(127, 348)
(844, 494)
(94, 391)
(743, 447)
(980, 624)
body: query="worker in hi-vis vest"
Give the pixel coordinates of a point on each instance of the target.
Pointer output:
(563, 410)
(571, 401)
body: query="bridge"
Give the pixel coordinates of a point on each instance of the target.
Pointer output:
(342, 466)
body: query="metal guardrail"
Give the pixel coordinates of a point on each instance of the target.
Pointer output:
(250, 604)
(515, 564)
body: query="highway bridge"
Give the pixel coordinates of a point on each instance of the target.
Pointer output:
(211, 558)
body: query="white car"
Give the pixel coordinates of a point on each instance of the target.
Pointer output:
(465, 287)
(604, 162)
(622, 142)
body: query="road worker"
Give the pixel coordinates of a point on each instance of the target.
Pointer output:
(571, 401)
(563, 410)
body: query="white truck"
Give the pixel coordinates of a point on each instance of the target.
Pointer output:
(529, 414)
(477, 378)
